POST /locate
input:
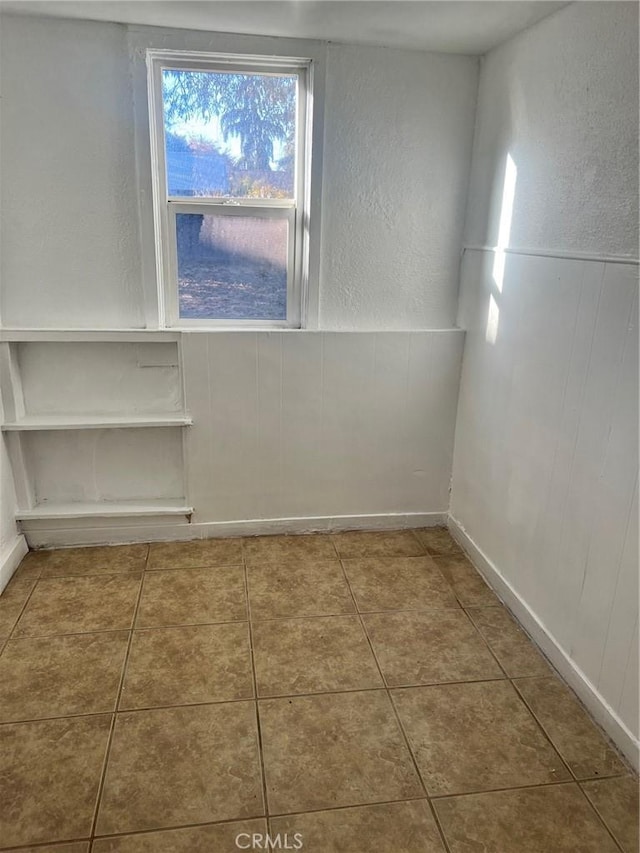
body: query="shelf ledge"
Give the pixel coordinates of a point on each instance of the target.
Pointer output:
(87, 335)
(60, 422)
(104, 509)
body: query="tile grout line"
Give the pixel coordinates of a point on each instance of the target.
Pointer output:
(486, 643)
(107, 753)
(29, 637)
(543, 730)
(572, 780)
(263, 769)
(378, 687)
(597, 811)
(395, 710)
(21, 614)
(553, 674)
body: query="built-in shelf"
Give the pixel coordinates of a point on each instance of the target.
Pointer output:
(104, 509)
(54, 422)
(89, 335)
(91, 449)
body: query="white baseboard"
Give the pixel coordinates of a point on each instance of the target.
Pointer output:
(58, 536)
(10, 559)
(595, 703)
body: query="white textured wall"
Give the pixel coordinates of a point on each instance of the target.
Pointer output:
(398, 135)
(546, 452)
(99, 378)
(562, 100)
(71, 253)
(320, 424)
(302, 424)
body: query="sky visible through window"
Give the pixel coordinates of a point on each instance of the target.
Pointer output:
(245, 123)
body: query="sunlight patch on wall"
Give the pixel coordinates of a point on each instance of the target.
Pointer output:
(504, 234)
(492, 321)
(506, 215)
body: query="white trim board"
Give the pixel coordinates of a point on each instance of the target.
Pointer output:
(595, 703)
(65, 536)
(556, 253)
(10, 559)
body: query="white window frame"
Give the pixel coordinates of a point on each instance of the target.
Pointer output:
(295, 211)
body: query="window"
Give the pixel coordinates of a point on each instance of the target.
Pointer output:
(230, 162)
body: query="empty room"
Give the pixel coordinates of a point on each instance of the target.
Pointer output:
(319, 426)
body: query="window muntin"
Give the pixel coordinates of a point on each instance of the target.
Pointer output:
(230, 167)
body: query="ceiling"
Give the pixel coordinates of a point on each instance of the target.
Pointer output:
(450, 26)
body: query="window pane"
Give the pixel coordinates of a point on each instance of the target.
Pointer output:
(231, 267)
(229, 135)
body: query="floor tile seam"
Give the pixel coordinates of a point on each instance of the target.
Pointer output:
(230, 821)
(357, 612)
(552, 783)
(368, 804)
(72, 634)
(382, 686)
(530, 642)
(543, 729)
(89, 839)
(189, 625)
(81, 716)
(363, 614)
(364, 805)
(261, 620)
(599, 730)
(414, 533)
(596, 809)
(254, 675)
(486, 643)
(13, 636)
(373, 555)
(234, 565)
(600, 818)
(459, 605)
(123, 674)
(179, 826)
(41, 845)
(403, 734)
(435, 798)
(29, 638)
(97, 573)
(22, 610)
(577, 781)
(439, 826)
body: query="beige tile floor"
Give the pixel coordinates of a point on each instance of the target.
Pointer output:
(365, 690)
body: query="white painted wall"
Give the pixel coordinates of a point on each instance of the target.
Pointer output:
(546, 452)
(297, 425)
(68, 201)
(291, 431)
(99, 378)
(398, 132)
(316, 425)
(106, 465)
(562, 100)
